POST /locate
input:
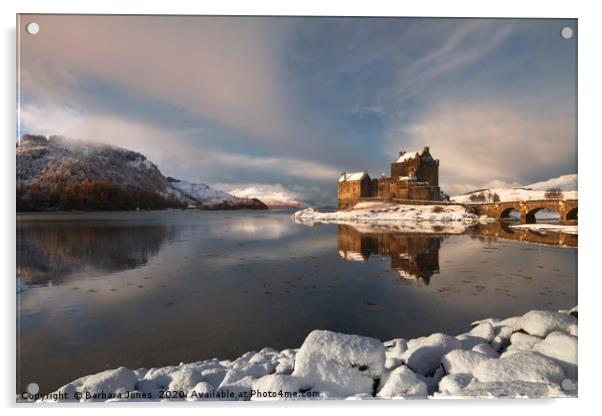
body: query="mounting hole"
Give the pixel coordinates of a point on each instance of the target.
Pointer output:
(33, 388)
(566, 32)
(32, 28)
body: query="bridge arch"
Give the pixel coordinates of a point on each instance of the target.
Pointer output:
(572, 215)
(530, 217)
(505, 213)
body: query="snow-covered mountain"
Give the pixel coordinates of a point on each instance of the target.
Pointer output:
(213, 198)
(274, 196)
(57, 161)
(565, 187)
(58, 173)
(564, 183)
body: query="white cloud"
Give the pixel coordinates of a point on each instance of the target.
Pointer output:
(223, 70)
(166, 148)
(483, 144)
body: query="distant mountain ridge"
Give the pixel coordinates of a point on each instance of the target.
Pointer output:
(213, 198)
(55, 173)
(273, 197)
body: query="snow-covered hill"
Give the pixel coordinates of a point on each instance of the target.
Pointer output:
(212, 198)
(564, 183)
(59, 173)
(567, 184)
(274, 196)
(57, 161)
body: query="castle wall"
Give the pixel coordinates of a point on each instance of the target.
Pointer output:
(350, 192)
(423, 169)
(428, 171)
(407, 168)
(424, 193)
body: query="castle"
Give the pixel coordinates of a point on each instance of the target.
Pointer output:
(414, 176)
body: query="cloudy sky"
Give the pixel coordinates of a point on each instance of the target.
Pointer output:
(293, 102)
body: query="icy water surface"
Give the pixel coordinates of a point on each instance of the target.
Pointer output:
(149, 289)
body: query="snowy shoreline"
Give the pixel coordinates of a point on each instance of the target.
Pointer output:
(428, 218)
(528, 356)
(425, 218)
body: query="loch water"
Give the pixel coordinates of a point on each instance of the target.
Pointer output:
(149, 289)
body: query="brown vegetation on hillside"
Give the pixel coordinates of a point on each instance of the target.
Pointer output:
(90, 195)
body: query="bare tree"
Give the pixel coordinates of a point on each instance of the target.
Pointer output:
(553, 193)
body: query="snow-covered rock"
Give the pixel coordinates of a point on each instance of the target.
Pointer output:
(463, 385)
(523, 342)
(215, 375)
(462, 361)
(502, 337)
(483, 330)
(469, 341)
(454, 384)
(101, 386)
(201, 391)
(521, 366)
(270, 387)
(403, 382)
(424, 354)
(486, 349)
(340, 364)
(562, 348)
(394, 350)
(541, 323)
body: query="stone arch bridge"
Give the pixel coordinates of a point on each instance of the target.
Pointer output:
(567, 208)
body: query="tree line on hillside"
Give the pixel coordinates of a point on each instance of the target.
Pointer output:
(485, 197)
(90, 195)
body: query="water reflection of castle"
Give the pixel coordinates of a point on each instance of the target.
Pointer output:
(413, 256)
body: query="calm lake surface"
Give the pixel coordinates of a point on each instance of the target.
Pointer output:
(149, 289)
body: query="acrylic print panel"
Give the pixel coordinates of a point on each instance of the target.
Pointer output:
(295, 208)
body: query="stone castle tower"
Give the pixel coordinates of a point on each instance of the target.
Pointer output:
(414, 177)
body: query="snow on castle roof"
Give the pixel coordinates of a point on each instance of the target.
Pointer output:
(356, 176)
(407, 156)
